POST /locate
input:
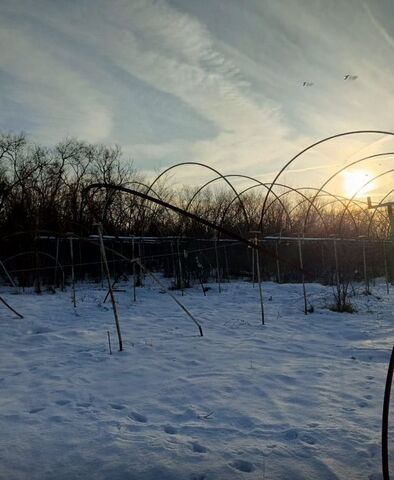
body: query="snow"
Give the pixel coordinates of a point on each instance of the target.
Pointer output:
(298, 398)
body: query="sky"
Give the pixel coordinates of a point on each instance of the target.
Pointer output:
(213, 81)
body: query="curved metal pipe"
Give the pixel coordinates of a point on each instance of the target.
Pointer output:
(209, 168)
(326, 139)
(342, 169)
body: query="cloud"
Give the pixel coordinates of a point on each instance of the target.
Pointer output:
(55, 97)
(175, 83)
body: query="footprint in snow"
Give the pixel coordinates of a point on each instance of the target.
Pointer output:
(62, 402)
(170, 430)
(242, 466)
(117, 406)
(196, 447)
(198, 476)
(36, 410)
(138, 417)
(308, 439)
(291, 435)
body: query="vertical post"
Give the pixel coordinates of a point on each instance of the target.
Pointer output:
(336, 264)
(101, 270)
(386, 273)
(226, 263)
(302, 275)
(217, 265)
(323, 259)
(72, 269)
(259, 281)
(391, 219)
(114, 307)
(38, 266)
(366, 280)
(277, 261)
(253, 269)
(56, 263)
(109, 342)
(179, 266)
(141, 255)
(134, 285)
(173, 261)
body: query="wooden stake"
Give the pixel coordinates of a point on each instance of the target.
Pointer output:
(134, 285)
(259, 282)
(303, 276)
(336, 265)
(72, 270)
(180, 266)
(56, 262)
(109, 342)
(386, 268)
(277, 262)
(114, 307)
(253, 255)
(217, 265)
(366, 279)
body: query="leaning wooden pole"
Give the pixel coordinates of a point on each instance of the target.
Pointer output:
(111, 292)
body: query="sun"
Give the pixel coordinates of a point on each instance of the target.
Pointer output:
(354, 182)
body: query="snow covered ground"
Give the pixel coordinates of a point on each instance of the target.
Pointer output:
(299, 398)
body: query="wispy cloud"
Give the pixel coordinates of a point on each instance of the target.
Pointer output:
(171, 82)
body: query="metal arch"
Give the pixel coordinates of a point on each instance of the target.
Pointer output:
(32, 252)
(278, 197)
(200, 189)
(363, 186)
(209, 168)
(194, 217)
(311, 202)
(148, 188)
(259, 183)
(347, 166)
(137, 182)
(377, 209)
(250, 188)
(361, 205)
(305, 198)
(317, 209)
(331, 137)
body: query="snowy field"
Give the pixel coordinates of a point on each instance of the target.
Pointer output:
(299, 398)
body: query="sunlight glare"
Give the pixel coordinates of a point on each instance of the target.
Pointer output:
(353, 182)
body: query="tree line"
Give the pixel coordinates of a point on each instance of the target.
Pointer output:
(41, 189)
